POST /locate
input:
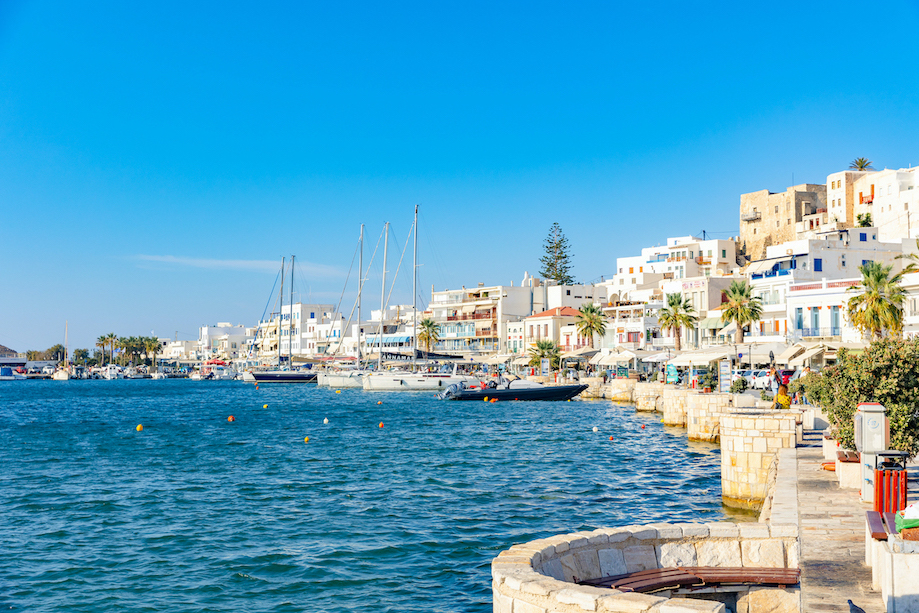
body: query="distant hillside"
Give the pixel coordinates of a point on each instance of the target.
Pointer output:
(6, 352)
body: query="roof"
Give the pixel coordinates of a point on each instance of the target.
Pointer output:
(557, 312)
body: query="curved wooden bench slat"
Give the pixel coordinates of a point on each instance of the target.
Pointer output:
(662, 578)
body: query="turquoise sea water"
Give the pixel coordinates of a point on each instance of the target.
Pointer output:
(198, 514)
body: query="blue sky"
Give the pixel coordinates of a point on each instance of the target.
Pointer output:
(157, 160)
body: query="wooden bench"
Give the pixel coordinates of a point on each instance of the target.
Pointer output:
(881, 524)
(695, 576)
(847, 456)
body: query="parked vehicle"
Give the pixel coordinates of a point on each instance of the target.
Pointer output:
(743, 374)
(786, 375)
(761, 380)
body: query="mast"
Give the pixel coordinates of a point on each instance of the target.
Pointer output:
(360, 287)
(383, 293)
(280, 312)
(290, 322)
(65, 345)
(415, 291)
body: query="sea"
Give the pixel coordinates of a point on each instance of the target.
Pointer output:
(397, 504)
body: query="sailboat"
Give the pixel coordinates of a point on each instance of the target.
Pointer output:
(62, 373)
(280, 375)
(411, 380)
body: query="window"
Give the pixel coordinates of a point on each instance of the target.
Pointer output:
(843, 261)
(546, 329)
(641, 269)
(568, 292)
(709, 253)
(631, 269)
(818, 265)
(799, 318)
(776, 208)
(312, 315)
(776, 223)
(862, 236)
(724, 253)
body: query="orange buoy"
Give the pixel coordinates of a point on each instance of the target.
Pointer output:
(379, 402)
(381, 424)
(642, 426)
(610, 438)
(231, 418)
(256, 386)
(493, 400)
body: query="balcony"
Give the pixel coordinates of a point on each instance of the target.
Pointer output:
(754, 216)
(819, 332)
(486, 333)
(660, 258)
(470, 317)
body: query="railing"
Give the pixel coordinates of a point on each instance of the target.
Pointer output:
(822, 332)
(703, 261)
(470, 317)
(750, 216)
(486, 333)
(660, 258)
(772, 273)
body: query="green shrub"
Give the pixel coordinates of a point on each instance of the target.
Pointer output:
(738, 386)
(886, 372)
(709, 380)
(764, 395)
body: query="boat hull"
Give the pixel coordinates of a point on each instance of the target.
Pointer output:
(550, 393)
(284, 377)
(413, 382)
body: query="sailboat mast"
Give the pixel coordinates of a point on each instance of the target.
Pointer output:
(280, 312)
(360, 287)
(415, 291)
(290, 322)
(66, 352)
(383, 293)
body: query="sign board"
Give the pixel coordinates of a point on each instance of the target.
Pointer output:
(622, 372)
(724, 376)
(672, 376)
(544, 367)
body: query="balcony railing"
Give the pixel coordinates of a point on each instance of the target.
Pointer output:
(821, 332)
(755, 215)
(470, 317)
(486, 333)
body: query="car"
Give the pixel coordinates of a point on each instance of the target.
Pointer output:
(761, 380)
(786, 375)
(743, 374)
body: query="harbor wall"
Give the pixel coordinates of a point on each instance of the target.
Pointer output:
(543, 575)
(750, 441)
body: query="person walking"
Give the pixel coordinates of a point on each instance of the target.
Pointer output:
(774, 380)
(781, 400)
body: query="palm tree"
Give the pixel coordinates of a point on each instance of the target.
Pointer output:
(741, 307)
(429, 333)
(152, 346)
(676, 315)
(591, 321)
(544, 349)
(113, 340)
(879, 307)
(861, 164)
(101, 342)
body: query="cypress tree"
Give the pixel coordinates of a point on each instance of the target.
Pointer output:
(556, 263)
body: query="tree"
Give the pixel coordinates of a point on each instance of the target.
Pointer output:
(429, 333)
(113, 340)
(556, 263)
(101, 342)
(879, 307)
(676, 315)
(55, 352)
(861, 164)
(887, 372)
(545, 349)
(152, 346)
(80, 356)
(741, 307)
(863, 220)
(590, 321)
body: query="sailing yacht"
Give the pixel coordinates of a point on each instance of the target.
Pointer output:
(62, 373)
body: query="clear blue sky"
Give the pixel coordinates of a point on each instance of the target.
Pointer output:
(157, 159)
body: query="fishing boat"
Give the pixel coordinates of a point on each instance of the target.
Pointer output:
(511, 389)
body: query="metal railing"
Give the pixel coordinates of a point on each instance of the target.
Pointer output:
(750, 216)
(812, 332)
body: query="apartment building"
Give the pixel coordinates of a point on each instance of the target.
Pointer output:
(768, 218)
(891, 197)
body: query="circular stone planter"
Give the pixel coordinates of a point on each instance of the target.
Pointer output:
(542, 576)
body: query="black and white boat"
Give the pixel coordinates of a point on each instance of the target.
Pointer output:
(511, 389)
(283, 376)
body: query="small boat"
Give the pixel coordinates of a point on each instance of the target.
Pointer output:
(283, 376)
(511, 389)
(8, 374)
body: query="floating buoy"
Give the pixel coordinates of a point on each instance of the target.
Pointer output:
(306, 439)
(140, 427)
(231, 418)
(642, 426)
(381, 424)
(379, 402)
(326, 420)
(486, 398)
(337, 391)
(493, 400)
(256, 386)
(610, 438)
(264, 406)
(596, 429)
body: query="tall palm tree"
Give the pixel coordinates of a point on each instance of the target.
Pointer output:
(102, 342)
(861, 164)
(879, 307)
(113, 340)
(152, 346)
(545, 348)
(590, 321)
(676, 315)
(741, 307)
(429, 333)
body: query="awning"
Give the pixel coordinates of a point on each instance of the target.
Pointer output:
(483, 324)
(491, 360)
(658, 357)
(596, 358)
(701, 357)
(731, 328)
(788, 354)
(580, 353)
(807, 355)
(521, 361)
(467, 308)
(618, 358)
(710, 323)
(764, 265)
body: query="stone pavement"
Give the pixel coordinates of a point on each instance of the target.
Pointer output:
(832, 529)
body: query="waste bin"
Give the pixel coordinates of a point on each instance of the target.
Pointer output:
(890, 481)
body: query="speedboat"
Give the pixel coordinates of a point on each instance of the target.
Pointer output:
(283, 376)
(8, 374)
(511, 389)
(415, 381)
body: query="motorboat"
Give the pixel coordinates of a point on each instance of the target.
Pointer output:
(511, 389)
(113, 372)
(282, 376)
(340, 379)
(8, 374)
(415, 381)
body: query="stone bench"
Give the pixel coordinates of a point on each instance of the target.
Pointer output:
(544, 575)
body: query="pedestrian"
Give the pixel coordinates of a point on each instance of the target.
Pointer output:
(781, 400)
(774, 381)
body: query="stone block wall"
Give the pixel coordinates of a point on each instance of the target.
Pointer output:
(647, 396)
(703, 415)
(749, 441)
(541, 576)
(673, 406)
(620, 390)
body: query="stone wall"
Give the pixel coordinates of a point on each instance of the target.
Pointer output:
(749, 440)
(648, 396)
(541, 576)
(703, 415)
